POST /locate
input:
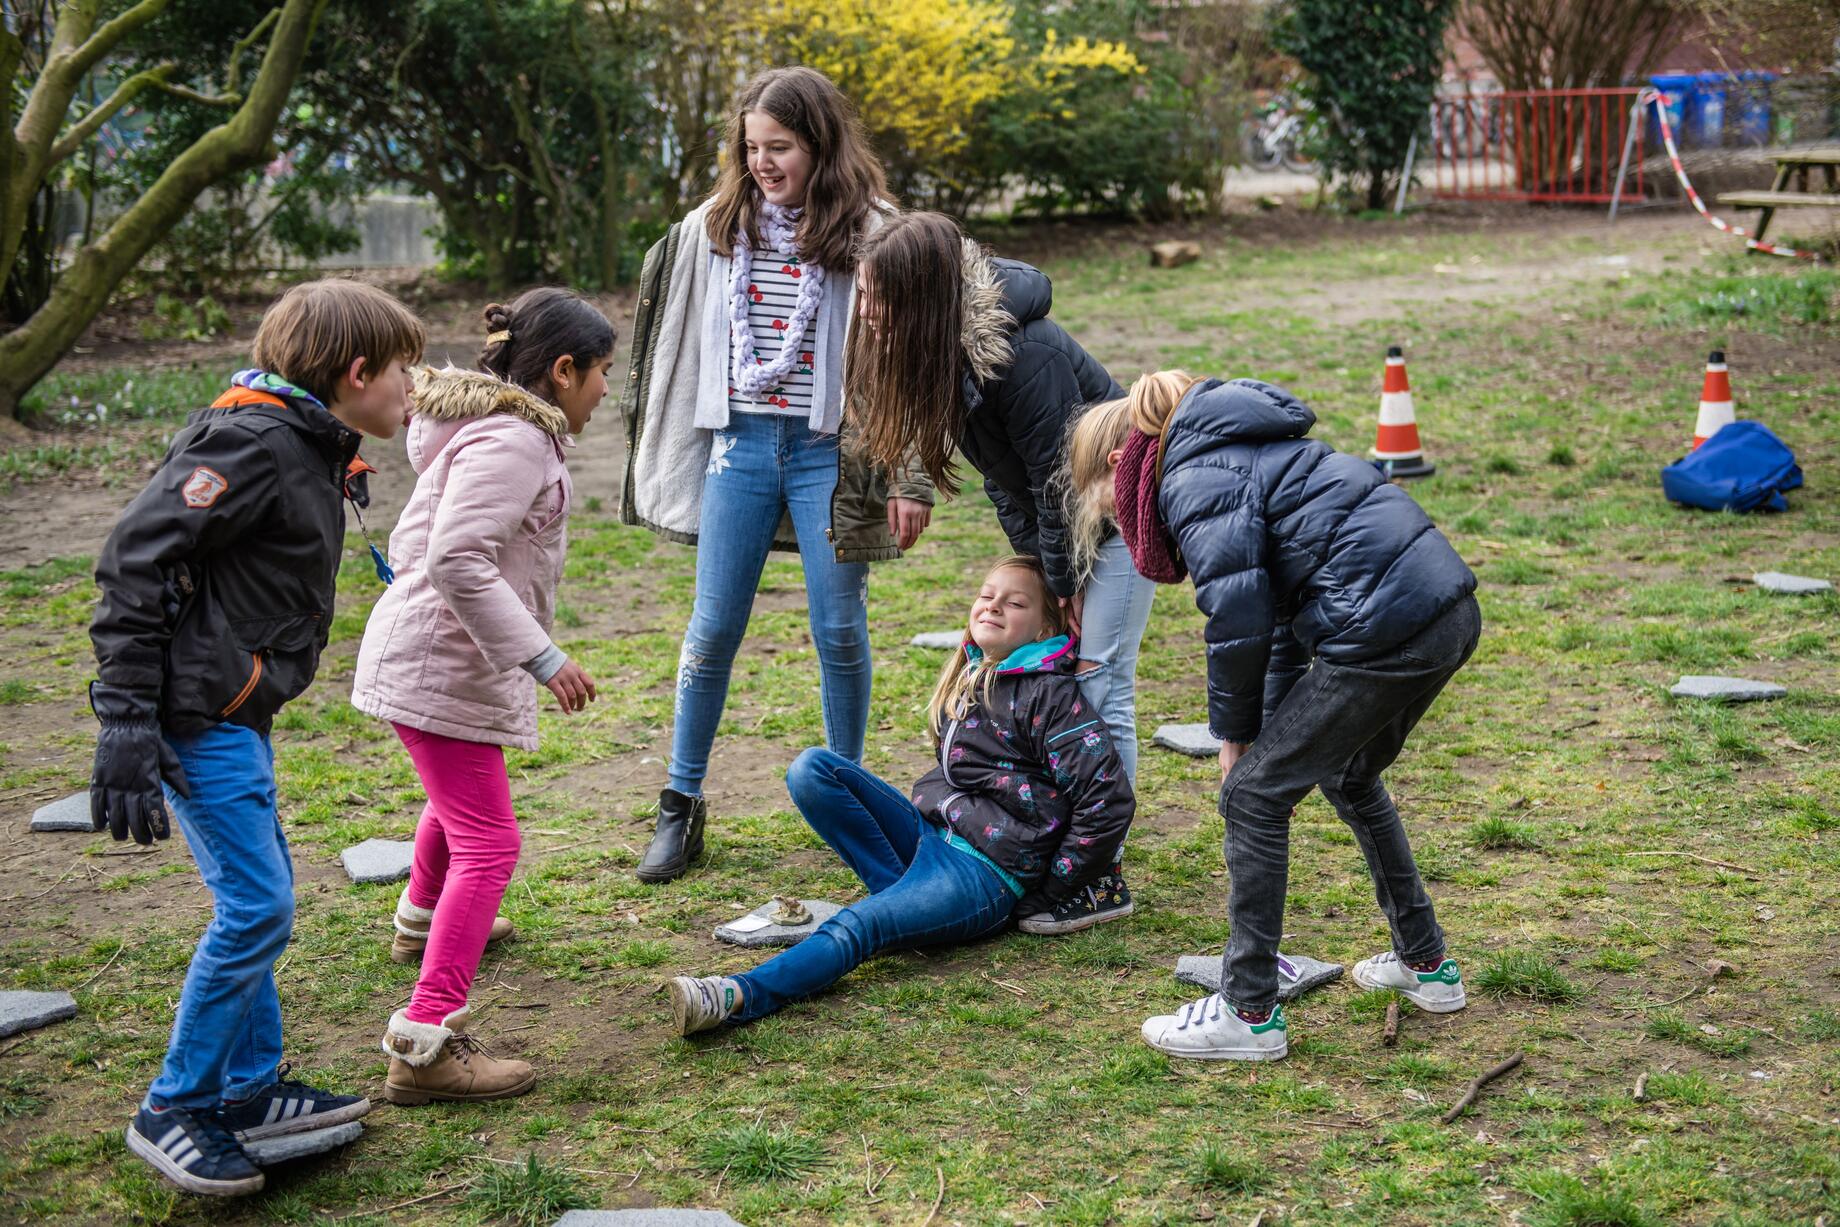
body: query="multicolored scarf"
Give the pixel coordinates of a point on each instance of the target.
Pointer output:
(267, 381)
(1134, 487)
(747, 371)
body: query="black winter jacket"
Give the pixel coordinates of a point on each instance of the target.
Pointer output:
(217, 581)
(1296, 549)
(1025, 382)
(1032, 779)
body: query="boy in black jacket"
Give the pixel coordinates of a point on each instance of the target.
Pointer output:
(216, 598)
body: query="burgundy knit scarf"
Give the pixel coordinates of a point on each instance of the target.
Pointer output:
(1153, 550)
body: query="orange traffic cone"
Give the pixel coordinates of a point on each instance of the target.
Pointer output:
(1715, 407)
(1396, 448)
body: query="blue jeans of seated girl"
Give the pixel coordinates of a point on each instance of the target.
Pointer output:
(760, 464)
(923, 891)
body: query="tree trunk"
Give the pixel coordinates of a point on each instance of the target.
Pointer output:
(31, 351)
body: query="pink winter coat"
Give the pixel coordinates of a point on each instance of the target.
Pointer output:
(477, 553)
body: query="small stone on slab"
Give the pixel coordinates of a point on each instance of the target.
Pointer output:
(267, 1152)
(1174, 254)
(1725, 689)
(945, 641)
(1794, 585)
(757, 929)
(1193, 740)
(22, 1011)
(68, 814)
(646, 1218)
(378, 860)
(1297, 974)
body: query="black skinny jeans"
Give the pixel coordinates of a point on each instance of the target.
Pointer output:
(1339, 728)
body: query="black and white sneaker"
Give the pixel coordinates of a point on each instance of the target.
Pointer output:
(288, 1105)
(1108, 898)
(193, 1150)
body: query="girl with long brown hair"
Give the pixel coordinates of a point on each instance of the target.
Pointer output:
(735, 405)
(1023, 803)
(959, 355)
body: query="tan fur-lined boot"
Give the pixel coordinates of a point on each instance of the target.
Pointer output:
(412, 931)
(444, 1062)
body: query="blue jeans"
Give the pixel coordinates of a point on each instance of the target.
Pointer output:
(760, 464)
(226, 1037)
(923, 891)
(1112, 623)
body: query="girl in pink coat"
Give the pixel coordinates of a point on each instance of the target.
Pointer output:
(452, 647)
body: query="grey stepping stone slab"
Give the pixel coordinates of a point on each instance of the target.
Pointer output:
(66, 814)
(742, 931)
(646, 1218)
(1724, 689)
(1794, 585)
(1297, 974)
(1193, 740)
(267, 1152)
(21, 1010)
(945, 641)
(378, 860)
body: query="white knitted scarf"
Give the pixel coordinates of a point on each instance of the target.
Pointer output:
(747, 371)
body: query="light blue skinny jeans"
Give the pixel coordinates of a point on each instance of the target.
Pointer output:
(758, 465)
(1112, 627)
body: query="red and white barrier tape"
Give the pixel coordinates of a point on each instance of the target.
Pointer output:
(1667, 136)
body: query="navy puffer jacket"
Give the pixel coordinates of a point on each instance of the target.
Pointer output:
(1025, 382)
(1296, 549)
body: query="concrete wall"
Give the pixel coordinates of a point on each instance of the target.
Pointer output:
(396, 233)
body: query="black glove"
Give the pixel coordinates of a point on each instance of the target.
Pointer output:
(131, 760)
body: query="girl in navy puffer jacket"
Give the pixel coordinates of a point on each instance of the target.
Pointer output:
(1336, 612)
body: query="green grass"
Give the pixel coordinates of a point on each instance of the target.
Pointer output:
(1011, 1071)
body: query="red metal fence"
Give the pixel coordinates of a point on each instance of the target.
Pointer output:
(1539, 144)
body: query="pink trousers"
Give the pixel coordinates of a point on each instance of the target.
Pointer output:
(465, 849)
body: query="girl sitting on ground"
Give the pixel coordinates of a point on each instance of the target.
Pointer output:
(1023, 809)
(451, 648)
(1336, 612)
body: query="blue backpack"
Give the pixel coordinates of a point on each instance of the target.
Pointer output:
(1742, 467)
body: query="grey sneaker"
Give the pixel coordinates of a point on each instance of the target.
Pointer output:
(701, 1002)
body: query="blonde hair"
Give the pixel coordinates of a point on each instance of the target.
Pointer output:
(1102, 430)
(312, 333)
(961, 682)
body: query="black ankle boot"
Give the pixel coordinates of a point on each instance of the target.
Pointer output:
(678, 839)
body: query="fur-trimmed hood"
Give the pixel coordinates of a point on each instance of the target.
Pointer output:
(453, 394)
(986, 326)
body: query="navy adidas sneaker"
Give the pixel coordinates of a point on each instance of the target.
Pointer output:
(288, 1105)
(193, 1150)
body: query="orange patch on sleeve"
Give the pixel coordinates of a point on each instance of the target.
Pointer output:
(204, 487)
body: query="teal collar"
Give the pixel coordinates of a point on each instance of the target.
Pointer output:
(1029, 658)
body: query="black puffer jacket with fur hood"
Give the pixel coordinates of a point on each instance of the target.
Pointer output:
(1025, 382)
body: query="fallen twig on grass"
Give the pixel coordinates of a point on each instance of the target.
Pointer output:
(1704, 860)
(414, 1201)
(1661, 1005)
(1475, 1087)
(79, 988)
(1390, 1035)
(1641, 1091)
(937, 1201)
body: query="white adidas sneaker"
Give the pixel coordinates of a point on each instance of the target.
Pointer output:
(1211, 1030)
(1440, 991)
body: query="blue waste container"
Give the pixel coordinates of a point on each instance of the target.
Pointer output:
(1757, 90)
(1709, 118)
(1678, 91)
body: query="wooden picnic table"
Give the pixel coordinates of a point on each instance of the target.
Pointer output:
(1791, 190)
